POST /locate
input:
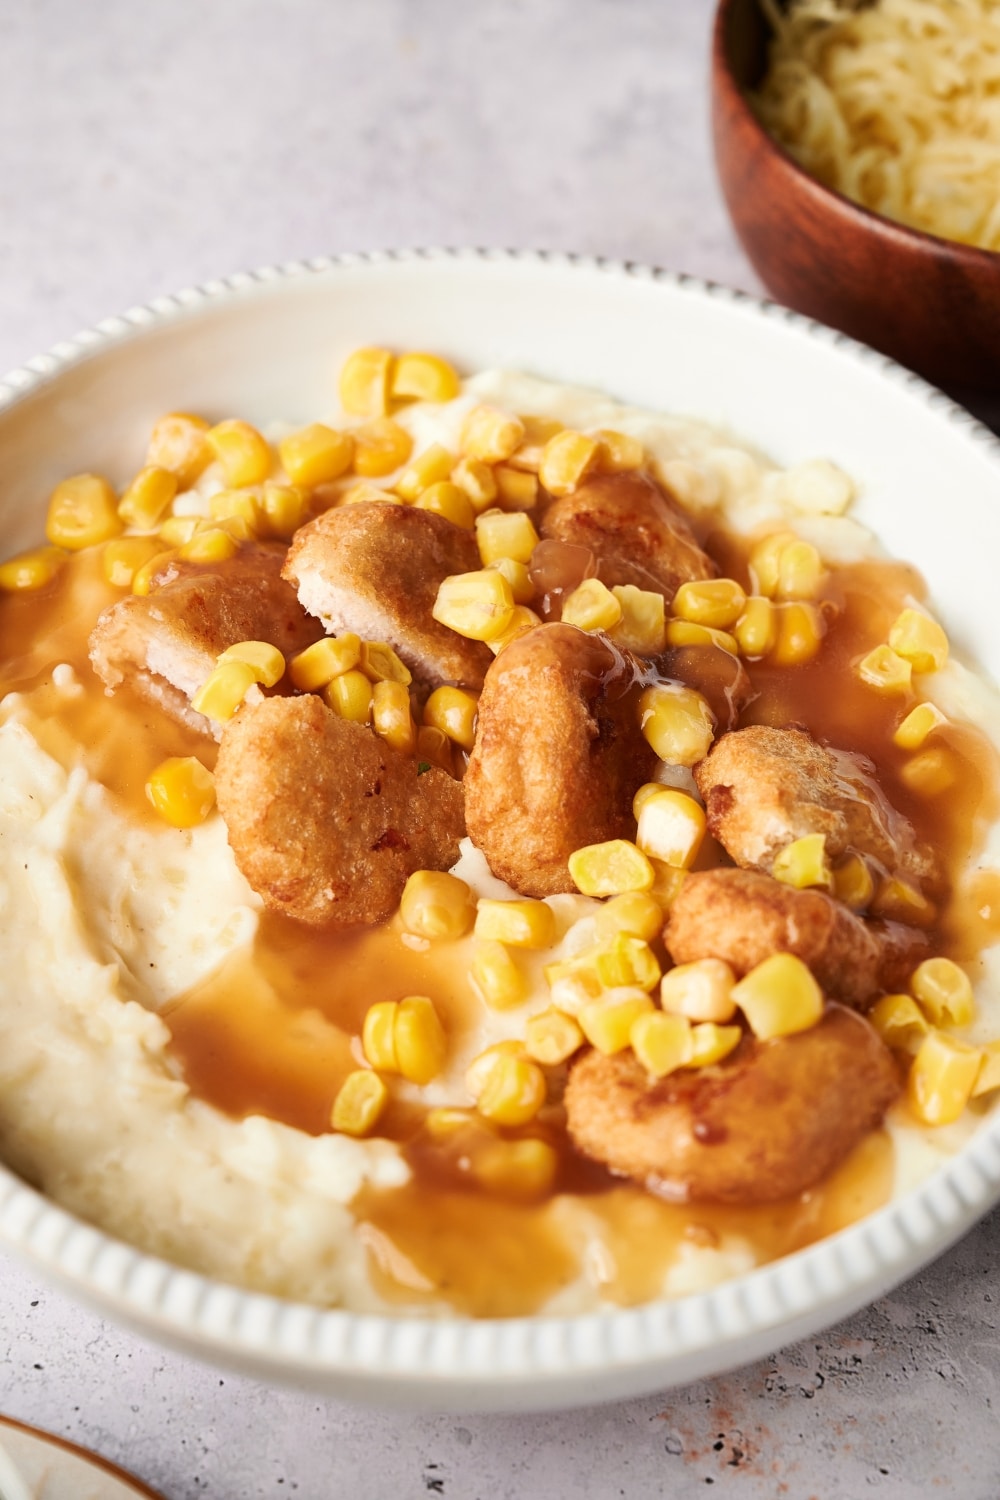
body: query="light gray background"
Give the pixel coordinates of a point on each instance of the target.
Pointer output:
(147, 146)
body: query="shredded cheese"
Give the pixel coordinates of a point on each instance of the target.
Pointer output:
(894, 104)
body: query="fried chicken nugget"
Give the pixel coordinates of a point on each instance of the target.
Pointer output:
(634, 532)
(764, 788)
(770, 1121)
(164, 644)
(325, 820)
(558, 755)
(743, 917)
(376, 569)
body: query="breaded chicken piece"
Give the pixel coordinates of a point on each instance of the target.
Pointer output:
(164, 644)
(325, 820)
(558, 755)
(634, 532)
(743, 917)
(376, 569)
(764, 788)
(771, 1120)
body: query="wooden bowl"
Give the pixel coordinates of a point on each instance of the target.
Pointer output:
(930, 303)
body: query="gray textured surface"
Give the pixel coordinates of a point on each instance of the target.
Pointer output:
(149, 147)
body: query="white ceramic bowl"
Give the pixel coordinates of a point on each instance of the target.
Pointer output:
(268, 345)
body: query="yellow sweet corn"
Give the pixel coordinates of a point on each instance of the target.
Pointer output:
(174, 531)
(453, 711)
(243, 452)
(627, 960)
(522, 620)
(517, 489)
(366, 493)
(496, 977)
(32, 569)
(266, 660)
(677, 722)
(667, 881)
(491, 436)
(351, 695)
(643, 625)
(661, 1043)
(316, 454)
(424, 377)
(360, 1103)
(610, 868)
(241, 505)
(607, 1021)
(853, 883)
(779, 997)
(711, 1043)
(147, 572)
(380, 663)
(803, 863)
(479, 1069)
(391, 716)
(177, 443)
(434, 748)
(447, 500)
(718, 602)
(378, 1036)
(537, 432)
(148, 498)
(123, 556)
(380, 447)
(283, 508)
(687, 633)
(551, 1036)
(82, 510)
(592, 606)
(432, 466)
(505, 534)
(519, 578)
(930, 772)
(945, 992)
(570, 992)
(210, 545)
(899, 1021)
(476, 605)
(800, 571)
(436, 905)
(917, 726)
(919, 640)
(756, 630)
(513, 1091)
(477, 480)
(566, 459)
(765, 561)
(899, 901)
(419, 1039)
(941, 1078)
(618, 451)
(182, 791)
(988, 1076)
(324, 660)
(701, 991)
(523, 1169)
(800, 629)
(364, 382)
(522, 924)
(886, 670)
(221, 695)
(634, 912)
(671, 827)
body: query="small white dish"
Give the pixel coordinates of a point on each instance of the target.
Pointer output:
(269, 344)
(52, 1469)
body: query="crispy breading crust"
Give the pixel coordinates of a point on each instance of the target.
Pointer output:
(634, 532)
(165, 643)
(743, 917)
(558, 755)
(764, 788)
(375, 569)
(771, 1120)
(325, 820)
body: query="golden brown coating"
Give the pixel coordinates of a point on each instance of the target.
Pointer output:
(770, 1121)
(743, 917)
(375, 569)
(164, 644)
(325, 820)
(764, 788)
(558, 755)
(634, 532)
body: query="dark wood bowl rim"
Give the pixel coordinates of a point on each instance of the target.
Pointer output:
(973, 257)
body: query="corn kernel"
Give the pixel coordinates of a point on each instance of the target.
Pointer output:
(800, 571)
(618, 451)
(324, 660)
(711, 1043)
(496, 976)
(177, 443)
(803, 863)
(570, 992)
(367, 494)
(514, 1091)
(918, 725)
(667, 882)
(900, 1022)
(899, 901)
(491, 436)
(523, 1170)
(643, 625)
(182, 791)
(671, 827)
(607, 1022)
(424, 377)
(517, 489)
(886, 670)
(391, 716)
(941, 1078)
(176, 530)
(123, 556)
(316, 454)
(551, 1037)
(436, 905)
(221, 695)
(476, 605)
(266, 660)
(930, 772)
(610, 868)
(378, 1036)
(687, 633)
(919, 640)
(718, 602)
(147, 572)
(420, 1042)
(853, 883)
(32, 569)
(432, 466)
(453, 711)
(642, 796)
(566, 459)
(519, 578)
(800, 630)
(701, 991)
(211, 545)
(477, 480)
(521, 621)
(522, 924)
(238, 527)
(537, 432)
(592, 606)
(243, 452)
(661, 1043)
(82, 510)
(779, 997)
(677, 722)
(627, 960)
(283, 508)
(148, 497)
(380, 663)
(380, 447)
(756, 630)
(505, 534)
(447, 500)
(988, 1077)
(481, 1065)
(945, 992)
(364, 382)
(434, 748)
(360, 1103)
(350, 695)
(765, 561)
(243, 505)
(633, 912)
